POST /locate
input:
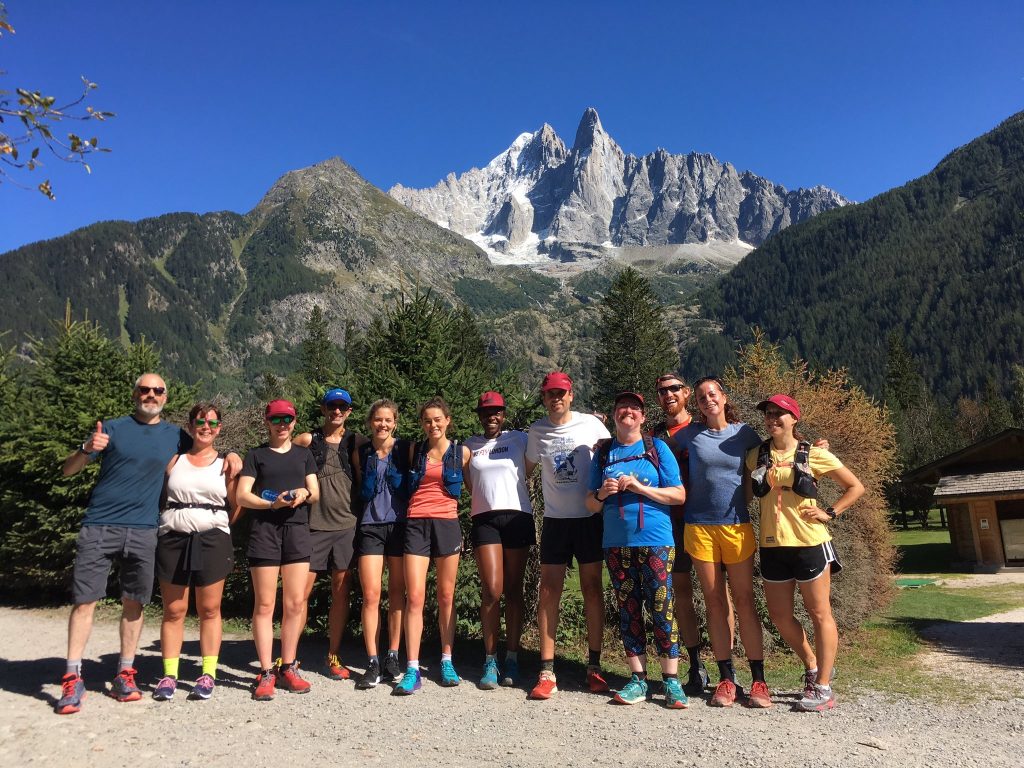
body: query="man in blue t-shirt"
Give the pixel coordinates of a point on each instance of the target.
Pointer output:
(120, 526)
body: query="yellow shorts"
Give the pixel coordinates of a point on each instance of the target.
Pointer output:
(727, 544)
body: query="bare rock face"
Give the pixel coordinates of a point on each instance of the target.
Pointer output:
(538, 198)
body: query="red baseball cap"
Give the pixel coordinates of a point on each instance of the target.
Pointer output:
(556, 380)
(785, 402)
(631, 396)
(280, 408)
(490, 399)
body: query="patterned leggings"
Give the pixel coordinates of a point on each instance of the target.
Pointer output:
(643, 575)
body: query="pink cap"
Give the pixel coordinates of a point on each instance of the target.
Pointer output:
(785, 402)
(490, 399)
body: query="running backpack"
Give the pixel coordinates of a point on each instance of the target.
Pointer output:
(318, 446)
(804, 483)
(396, 474)
(451, 469)
(602, 454)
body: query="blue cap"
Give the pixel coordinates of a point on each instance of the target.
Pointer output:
(334, 395)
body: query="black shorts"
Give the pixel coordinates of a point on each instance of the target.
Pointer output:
(781, 564)
(99, 547)
(432, 537)
(386, 539)
(511, 528)
(683, 562)
(563, 538)
(332, 550)
(278, 543)
(194, 559)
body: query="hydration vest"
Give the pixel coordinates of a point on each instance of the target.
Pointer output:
(804, 483)
(602, 456)
(451, 469)
(318, 446)
(396, 474)
(682, 454)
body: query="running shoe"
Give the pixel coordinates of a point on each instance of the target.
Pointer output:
(72, 690)
(392, 667)
(511, 676)
(595, 680)
(370, 678)
(165, 689)
(409, 684)
(489, 680)
(633, 692)
(725, 694)
(288, 677)
(810, 678)
(124, 688)
(266, 682)
(817, 698)
(759, 697)
(449, 678)
(697, 680)
(675, 697)
(546, 686)
(203, 689)
(334, 669)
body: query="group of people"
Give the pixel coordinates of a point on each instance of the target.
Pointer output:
(647, 503)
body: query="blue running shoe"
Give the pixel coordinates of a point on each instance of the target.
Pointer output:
(489, 680)
(409, 684)
(632, 692)
(72, 689)
(449, 678)
(511, 677)
(165, 689)
(203, 689)
(124, 688)
(675, 697)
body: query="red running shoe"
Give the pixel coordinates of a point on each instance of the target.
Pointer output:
(759, 696)
(725, 694)
(124, 688)
(595, 680)
(335, 669)
(546, 686)
(288, 677)
(265, 684)
(72, 689)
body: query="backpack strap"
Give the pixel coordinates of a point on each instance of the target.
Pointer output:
(318, 447)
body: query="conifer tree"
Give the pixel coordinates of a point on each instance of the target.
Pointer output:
(636, 343)
(319, 355)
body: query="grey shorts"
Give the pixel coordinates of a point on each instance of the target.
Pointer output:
(332, 550)
(100, 547)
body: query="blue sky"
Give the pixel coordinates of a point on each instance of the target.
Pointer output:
(215, 100)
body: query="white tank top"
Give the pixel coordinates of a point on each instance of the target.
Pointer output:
(194, 486)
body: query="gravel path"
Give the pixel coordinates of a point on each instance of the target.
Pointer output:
(337, 725)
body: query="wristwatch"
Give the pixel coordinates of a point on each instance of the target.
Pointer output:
(598, 498)
(831, 513)
(81, 448)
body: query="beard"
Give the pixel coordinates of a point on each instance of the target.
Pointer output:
(150, 409)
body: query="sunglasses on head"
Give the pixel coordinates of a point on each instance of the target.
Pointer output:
(146, 390)
(670, 388)
(281, 419)
(211, 423)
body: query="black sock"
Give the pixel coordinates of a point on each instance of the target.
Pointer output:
(547, 665)
(757, 670)
(667, 676)
(595, 658)
(640, 675)
(726, 671)
(693, 651)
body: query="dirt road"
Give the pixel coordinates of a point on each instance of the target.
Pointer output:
(337, 725)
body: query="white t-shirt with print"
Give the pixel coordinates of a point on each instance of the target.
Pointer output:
(497, 472)
(564, 452)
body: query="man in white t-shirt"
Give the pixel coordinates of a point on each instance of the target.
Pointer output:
(563, 444)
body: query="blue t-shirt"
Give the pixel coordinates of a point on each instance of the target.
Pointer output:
(622, 510)
(715, 494)
(127, 492)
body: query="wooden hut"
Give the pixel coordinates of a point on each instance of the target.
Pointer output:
(981, 488)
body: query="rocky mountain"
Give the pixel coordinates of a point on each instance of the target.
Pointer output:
(539, 200)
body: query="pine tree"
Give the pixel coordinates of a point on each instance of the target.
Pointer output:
(74, 378)
(319, 355)
(636, 342)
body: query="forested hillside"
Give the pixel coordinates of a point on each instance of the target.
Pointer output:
(939, 261)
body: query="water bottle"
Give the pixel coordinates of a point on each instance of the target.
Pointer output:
(271, 496)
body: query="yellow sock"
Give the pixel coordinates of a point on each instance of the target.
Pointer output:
(210, 666)
(171, 668)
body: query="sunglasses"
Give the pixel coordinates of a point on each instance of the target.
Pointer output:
(662, 391)
(281, 419)
(211, 423)
(337, 407)
(155, 390)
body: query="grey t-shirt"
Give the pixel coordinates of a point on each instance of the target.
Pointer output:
(333, 511)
